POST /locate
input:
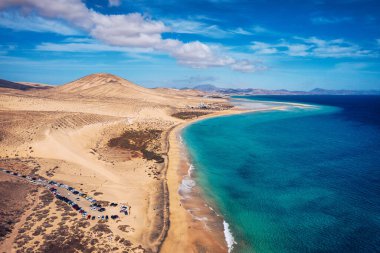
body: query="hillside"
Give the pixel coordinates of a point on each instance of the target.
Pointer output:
(104, 85)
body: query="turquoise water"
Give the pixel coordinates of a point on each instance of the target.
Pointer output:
(302, 180)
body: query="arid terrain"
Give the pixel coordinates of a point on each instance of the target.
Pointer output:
(105, 137)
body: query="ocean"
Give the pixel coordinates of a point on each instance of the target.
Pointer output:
(295, 180)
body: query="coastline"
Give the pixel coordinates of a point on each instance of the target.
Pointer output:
(206, 231)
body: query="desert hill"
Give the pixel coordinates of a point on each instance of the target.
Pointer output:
(177, 92)
(102, 84)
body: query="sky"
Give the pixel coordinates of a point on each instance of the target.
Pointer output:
(288, 44)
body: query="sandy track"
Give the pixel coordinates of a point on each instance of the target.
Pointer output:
(70, 146)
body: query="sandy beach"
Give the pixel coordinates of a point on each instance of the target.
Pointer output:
(185, 232)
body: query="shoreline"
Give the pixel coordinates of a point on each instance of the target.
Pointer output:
(186, 232)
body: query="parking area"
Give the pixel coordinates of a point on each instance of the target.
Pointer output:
(86, 206)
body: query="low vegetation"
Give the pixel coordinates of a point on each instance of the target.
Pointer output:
(139, 140)
(13, 199)
(189, 114)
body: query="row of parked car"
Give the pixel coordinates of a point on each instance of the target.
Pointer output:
(32, 179)
(76, 207)
(94, 205)
(73, 191)
(98, 207)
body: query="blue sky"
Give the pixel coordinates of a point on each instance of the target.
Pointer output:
(290, 44)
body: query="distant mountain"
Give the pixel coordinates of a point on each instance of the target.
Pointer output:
(206, 88)
(319, 91)
(250, 91)
(21, 86)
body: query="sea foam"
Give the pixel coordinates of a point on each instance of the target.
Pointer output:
(228, 236)
(190, 171)
(187, 182)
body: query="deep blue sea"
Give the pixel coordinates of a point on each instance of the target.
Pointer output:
(299, 180)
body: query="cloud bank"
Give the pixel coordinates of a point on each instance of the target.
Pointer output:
(131, 30)
(312, 47)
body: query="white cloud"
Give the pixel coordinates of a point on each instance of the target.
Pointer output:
(127, 30)
(313, 40)
(197, 54)
(86, 46)
(338, 51)
(130, 30)
(263, 48)
(204, 29)
(242, 31)
(16, 21)
(248, 66)
(297, 49)
(210, 30)
(336, 48)
(330, 20)
(313, 47)
(195, 27)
